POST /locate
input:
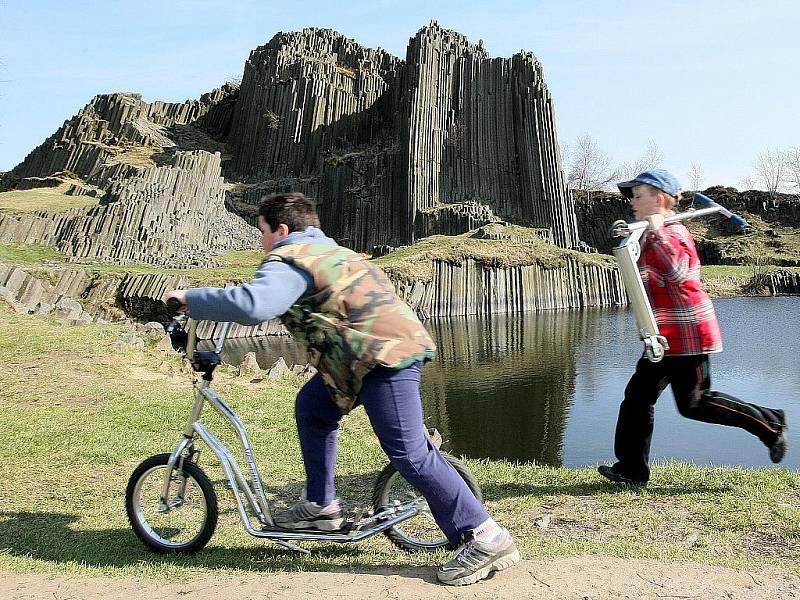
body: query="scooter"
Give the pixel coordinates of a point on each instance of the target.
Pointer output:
(627, 254)
(172, 505)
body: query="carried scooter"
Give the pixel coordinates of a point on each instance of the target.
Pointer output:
(627, 253)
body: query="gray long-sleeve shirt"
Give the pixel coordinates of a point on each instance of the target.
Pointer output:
(274, 289)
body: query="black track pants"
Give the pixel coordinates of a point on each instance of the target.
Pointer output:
(690, 378)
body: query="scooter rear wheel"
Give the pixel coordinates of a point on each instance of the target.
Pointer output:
(189, 518)
(420, 533)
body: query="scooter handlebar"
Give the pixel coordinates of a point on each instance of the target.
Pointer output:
(734, 218)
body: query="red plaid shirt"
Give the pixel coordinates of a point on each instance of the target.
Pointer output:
(670, 269)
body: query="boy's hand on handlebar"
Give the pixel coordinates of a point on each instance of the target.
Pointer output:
(178, 298)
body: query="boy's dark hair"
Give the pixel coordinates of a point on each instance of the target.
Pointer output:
(291, 208)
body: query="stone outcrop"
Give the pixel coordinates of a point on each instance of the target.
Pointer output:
(596, 211)
(303, 94)
(783, 282)
(483, 129)
(171, 215)
(50, 293)
(113, 123)
(87, 296)
(472, 288)
(444, 141)
(156, 168)
(453, 219)
(378, 142)
(780, 208)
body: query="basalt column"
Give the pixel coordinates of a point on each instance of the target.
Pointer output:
(303, 94)
(483, 129)
(316, 105)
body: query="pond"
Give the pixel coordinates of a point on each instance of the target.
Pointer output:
(546, 387)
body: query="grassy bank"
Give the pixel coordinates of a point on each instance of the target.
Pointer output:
(53, 200)
(78, 417)
(767, 243)
(725, 281)
(515, 246)
(235, 265)
(721, 281)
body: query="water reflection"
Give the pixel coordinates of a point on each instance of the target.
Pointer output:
(268, 349)
(502, 387)
(546, 387)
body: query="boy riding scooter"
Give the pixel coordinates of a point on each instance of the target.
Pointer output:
(369, 349)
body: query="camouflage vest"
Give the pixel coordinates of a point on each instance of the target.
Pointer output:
(353, 322)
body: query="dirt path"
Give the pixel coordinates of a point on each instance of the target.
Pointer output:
(584, 578)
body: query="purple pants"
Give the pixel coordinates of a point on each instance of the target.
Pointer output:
(392, 401)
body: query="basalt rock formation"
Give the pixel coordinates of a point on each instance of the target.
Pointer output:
(472, 288)
(111, 125)
(166, 215)
(393, 150)
(80, 295)
(379, 142)
(156, 169)
(771, 238)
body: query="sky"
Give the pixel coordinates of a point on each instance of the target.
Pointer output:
(711, 82)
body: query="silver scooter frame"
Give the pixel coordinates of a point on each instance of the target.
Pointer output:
(251, 495)
(627, 254)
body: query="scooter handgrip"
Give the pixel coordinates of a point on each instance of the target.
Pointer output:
(735, 219)
(738, 221)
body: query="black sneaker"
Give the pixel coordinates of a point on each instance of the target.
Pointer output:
(612, 475)
(778, 449)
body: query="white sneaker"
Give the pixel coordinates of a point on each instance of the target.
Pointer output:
(476, 560)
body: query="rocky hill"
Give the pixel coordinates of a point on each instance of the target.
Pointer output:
(391, 149)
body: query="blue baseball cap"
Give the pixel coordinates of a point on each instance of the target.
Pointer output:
(658, 178)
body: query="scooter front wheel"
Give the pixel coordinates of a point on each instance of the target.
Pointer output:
(420, 532)
(185, 520)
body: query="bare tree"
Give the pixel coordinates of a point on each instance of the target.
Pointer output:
(651, 159)
(771, 169)
(589, 167)
(747, 183)
(792, 157)
(695, 178)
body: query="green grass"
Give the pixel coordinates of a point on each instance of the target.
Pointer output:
(416, 262)
(718, 271)
(237, 266)
(52, 200)
(33, 255)
(768, 244)
(250, 259)
(78, 417)
(136, 155)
